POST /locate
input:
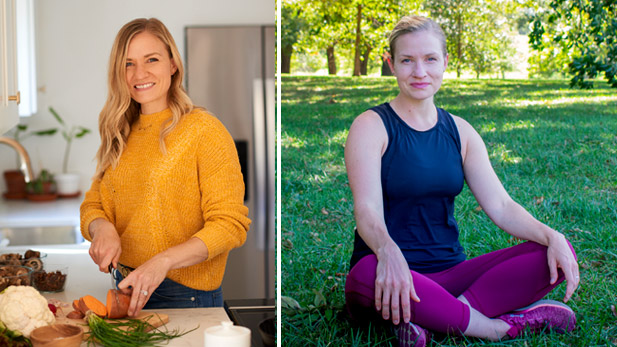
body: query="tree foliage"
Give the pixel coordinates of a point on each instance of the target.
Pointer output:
(357, 27)
(476, 33)
(584, 33)
(293, 24)
(327, 28)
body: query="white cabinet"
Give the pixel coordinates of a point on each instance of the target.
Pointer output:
(9, 94)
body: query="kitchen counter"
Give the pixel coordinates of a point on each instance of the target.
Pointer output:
(85, 278)
(24, 213)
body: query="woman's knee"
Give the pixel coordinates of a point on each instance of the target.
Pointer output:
(363, 273)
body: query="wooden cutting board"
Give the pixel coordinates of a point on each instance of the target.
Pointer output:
(154, 318)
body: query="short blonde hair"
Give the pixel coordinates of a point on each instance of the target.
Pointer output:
(412, 24)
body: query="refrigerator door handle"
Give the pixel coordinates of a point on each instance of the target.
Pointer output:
(259, 161)
(270, 100)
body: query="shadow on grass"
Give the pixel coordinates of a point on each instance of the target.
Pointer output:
(554, 148)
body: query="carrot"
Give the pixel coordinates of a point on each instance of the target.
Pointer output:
(75, 315)
(117, 304)
(90, 303)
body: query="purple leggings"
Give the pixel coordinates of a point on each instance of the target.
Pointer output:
(494, 283)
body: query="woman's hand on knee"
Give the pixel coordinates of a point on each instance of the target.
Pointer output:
(561, 256)
(394, 288)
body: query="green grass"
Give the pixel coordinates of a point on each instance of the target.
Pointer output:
(554, 148)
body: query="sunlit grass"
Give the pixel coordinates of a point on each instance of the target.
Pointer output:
(554, 148)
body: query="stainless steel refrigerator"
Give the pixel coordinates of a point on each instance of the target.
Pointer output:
(230, 72)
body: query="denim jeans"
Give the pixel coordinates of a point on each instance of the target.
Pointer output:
(172, 294)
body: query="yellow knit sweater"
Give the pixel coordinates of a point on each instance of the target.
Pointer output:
(157, 201)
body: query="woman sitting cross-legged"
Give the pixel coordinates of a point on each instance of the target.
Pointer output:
(406, 161)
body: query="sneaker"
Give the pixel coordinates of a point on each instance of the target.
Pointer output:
(411, 335)
(544, 314)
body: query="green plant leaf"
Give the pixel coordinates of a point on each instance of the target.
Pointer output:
(82, 131)
(329, 314)
(56, 115)
(45, 132)
(289, 303)
(320, 299)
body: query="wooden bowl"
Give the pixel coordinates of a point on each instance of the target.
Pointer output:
(57, 335)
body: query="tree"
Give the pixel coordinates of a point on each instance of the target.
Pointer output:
(586, 31)
(474, 32)
(325, 28)
(292, 25)
(373, 20)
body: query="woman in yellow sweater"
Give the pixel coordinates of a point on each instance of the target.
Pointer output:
(166, 203)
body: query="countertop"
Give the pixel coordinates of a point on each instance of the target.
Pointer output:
(24, 213)
(85, 278)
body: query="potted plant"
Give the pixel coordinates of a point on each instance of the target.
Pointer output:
(68, 183)
(15, 180)
(43, 188)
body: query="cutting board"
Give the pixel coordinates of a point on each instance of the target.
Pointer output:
(154, 318)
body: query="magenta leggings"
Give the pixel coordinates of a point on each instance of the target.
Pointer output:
(494, 283)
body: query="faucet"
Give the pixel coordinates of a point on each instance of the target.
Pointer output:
(24, 158)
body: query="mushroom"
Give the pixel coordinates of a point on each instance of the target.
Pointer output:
(32, 254)
(34, 263)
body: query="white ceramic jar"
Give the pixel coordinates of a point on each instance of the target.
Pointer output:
(227, 335)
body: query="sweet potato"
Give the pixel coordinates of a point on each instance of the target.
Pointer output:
(76, 306)
(90, 303)
(75, 315)
(117, 304)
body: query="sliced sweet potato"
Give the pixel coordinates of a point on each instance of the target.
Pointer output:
(76, 306)
(117, 304)
(90, 303)
(75, 315)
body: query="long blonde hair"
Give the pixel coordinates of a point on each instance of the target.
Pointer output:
(120, 110)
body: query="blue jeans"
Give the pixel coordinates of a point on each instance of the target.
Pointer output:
(172, 294)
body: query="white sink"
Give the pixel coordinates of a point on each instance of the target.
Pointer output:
(49, 235)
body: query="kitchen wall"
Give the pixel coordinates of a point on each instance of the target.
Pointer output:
(74, 39)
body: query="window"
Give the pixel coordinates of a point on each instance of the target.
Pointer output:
(26, 57)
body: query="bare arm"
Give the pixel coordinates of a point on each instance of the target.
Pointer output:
(509, 215)
(365, 145)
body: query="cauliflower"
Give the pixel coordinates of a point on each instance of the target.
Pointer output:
(23, 309)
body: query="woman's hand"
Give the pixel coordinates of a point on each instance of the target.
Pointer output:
(105, 248)
(561, 256)
(393, 285)
(143, 281)
(147, 277)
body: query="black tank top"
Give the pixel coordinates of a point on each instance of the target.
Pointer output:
(421, 174)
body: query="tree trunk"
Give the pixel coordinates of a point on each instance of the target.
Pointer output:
(286, 52)
(356, 59)
(364, 62)
(459, 45)
(385, 68)
(331, 60)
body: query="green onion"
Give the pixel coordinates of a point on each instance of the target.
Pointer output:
(127, 332)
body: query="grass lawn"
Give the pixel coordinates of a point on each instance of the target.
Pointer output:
(554, 148)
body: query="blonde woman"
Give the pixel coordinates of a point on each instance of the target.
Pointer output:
(166, 202)
(407, 160)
